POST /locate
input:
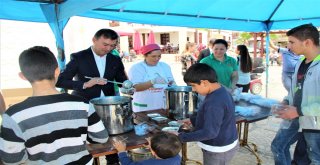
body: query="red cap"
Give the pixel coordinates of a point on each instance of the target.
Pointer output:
(148, 48)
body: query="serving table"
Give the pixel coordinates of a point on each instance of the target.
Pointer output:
(134, 141)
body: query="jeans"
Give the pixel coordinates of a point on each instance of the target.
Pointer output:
(313, 146)
(282, 141)
(300, 155)
(286, 80)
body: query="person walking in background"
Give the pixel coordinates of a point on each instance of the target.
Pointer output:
(206, 52)
(273, 57)
(289, 61)
(98, 63)
(150, 78)
(224, 65)
(48, 127)
(188, 57)
(304, 94)
(245, 67)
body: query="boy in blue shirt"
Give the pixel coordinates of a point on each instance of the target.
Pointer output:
(165, 147)
(215, 123)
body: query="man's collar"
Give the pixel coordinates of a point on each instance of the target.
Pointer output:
(95, 55)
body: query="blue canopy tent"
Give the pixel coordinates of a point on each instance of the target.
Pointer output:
(241, 15)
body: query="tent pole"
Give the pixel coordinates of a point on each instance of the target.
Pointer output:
(267, 61)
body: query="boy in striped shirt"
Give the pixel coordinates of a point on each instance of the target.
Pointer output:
(48, 127)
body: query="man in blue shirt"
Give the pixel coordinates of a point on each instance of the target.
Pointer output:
(289, 60)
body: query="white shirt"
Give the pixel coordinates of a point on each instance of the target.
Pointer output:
(244, 78)
(101, 65)
(152, 98)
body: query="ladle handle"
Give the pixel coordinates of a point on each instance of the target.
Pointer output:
(104, 80)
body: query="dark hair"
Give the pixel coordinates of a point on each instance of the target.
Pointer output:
(38, 63)
(306, 31)
(198, 72)
(107, 33)
(165, 145)
(245, 59)
(220, 41)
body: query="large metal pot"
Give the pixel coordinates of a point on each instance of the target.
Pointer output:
(140, 154)
(181, 101)
(115, 113)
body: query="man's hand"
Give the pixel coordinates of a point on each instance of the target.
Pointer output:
(289, 112)
(94, 81)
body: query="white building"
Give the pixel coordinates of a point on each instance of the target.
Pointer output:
(177, 37)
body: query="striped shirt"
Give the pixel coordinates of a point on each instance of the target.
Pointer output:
(50, 129)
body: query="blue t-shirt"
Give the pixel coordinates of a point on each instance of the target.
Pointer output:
(289, 60)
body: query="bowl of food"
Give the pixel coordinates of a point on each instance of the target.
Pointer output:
(174, 124)
(170, 129)
(152, 115)
(160, 119)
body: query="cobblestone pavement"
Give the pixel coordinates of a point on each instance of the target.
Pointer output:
(261, 133)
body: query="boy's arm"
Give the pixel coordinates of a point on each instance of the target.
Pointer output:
(12, 148)
(125, 160)
(234, 76)
(211, 127)
(234, 79)
(273, 46)
(96, 130)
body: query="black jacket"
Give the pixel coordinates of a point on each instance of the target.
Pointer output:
(83, 64)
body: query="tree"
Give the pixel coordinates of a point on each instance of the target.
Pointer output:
(243, 38)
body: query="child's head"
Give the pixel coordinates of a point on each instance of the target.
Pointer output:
(302, 37)
(199, 76)
(38, 63)
(304, 32)
(165, 145)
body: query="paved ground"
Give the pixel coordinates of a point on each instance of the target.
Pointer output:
(261, 133)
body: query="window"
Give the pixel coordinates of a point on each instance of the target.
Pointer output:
(165, 38)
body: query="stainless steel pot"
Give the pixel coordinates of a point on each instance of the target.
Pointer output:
(115, 113)
(140, 154)
(181, 101)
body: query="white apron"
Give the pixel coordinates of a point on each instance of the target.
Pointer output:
(154, 97)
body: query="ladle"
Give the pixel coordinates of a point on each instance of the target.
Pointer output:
(126, 84)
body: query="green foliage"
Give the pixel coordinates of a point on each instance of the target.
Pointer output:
(243, 38)
(274, 37)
